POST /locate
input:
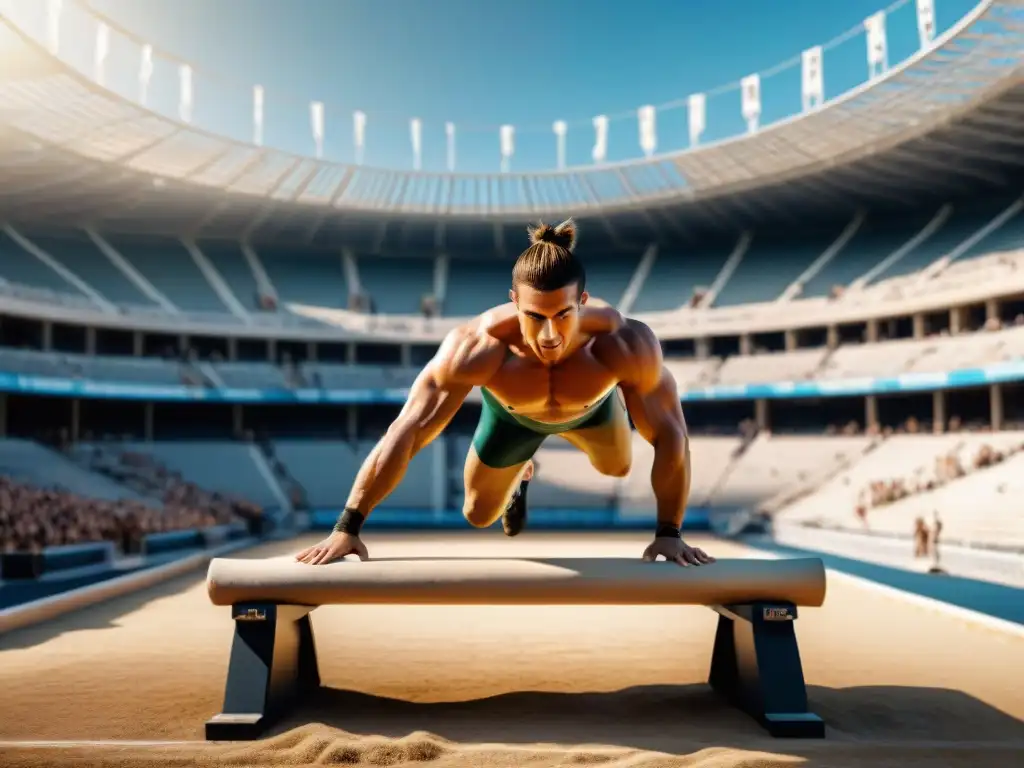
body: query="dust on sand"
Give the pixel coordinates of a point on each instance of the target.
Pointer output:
(475, 687)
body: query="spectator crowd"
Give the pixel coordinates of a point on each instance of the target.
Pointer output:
(947, 468)
(33, 518)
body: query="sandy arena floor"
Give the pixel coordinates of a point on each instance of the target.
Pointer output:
(470, 687)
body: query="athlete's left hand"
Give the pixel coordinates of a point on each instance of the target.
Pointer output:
(676, 550)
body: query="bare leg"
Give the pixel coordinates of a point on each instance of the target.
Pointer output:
(488, 489)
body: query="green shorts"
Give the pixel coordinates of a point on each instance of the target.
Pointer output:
(504, 439)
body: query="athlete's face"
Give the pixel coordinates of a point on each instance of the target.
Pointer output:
(549, 320)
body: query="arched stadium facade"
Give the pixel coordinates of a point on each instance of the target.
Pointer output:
(254, 319)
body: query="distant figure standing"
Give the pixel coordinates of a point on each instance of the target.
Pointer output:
(935, 534)
(921, 535)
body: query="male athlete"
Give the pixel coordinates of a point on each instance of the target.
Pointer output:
(546, 365)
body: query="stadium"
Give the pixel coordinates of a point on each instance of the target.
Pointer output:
(202, 339)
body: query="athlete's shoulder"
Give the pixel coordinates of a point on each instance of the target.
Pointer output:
(633, 339)
(638, 337)
(598, 317)
(500, 323)
(470, 352)
(632, 354)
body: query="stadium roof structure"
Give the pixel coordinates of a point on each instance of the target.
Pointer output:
(946, 123)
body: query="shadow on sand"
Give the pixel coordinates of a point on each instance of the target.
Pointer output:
(672, 719)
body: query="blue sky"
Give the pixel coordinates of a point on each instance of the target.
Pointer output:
(482, 63)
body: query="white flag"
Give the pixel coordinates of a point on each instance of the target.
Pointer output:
(359, 134)
(415, 134)
(813, 88)
(145, 72)
(316, 119)
(926, 22)
(697, 108)
(750, 88)
(508, 146)
(646, 117)
(185, 100)
(449, 132)
(878, 49)
(54, 9)
(99, 64)
(257, 115)
(560, 128)
(600, 138)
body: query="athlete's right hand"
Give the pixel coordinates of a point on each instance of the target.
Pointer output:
(335, 546)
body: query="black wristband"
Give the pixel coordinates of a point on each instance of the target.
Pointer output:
(667, 531)
(350, 522)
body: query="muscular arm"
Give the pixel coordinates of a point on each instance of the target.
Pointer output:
(463, 361)
(653, 403)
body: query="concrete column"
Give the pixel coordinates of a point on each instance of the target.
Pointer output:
(76, 419)
(353, 424)
(992, 309)
(237, 420)
(702, 348)
(272, 351)
(90, 341)
(350, 353)
(939, 411)
(405, 355)
(956, 320)
(746, 344)
(996, 405)
(761, 414)
(312, 352)
(791, 340)
(832, 338)
(439, 475)
(138, 344)
(872, 331)
(232, 349)
(148, 417)
(919, 326)
(870, 411)
(47, 336)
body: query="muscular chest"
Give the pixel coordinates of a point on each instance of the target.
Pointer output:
(564, 390)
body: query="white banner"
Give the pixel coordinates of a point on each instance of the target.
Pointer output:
(600, 151)
(416, 137)
(878, 49)
(316, 119)
(54, 10)
(560, 128)
(508, 146)
(813, 82)
(449, 133)
(926, 22)
(257, 115)
(647, 123)
(750, 89)
(185, 95)
(359, 134)
(145, 72)
(697, 106)
(100, 53)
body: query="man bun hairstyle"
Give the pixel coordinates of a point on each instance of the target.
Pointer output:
(564, 235)
(549, 264)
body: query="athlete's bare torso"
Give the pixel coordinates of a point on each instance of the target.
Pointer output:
(532, 388)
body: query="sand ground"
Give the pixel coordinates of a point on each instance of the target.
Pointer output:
(475, 687)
